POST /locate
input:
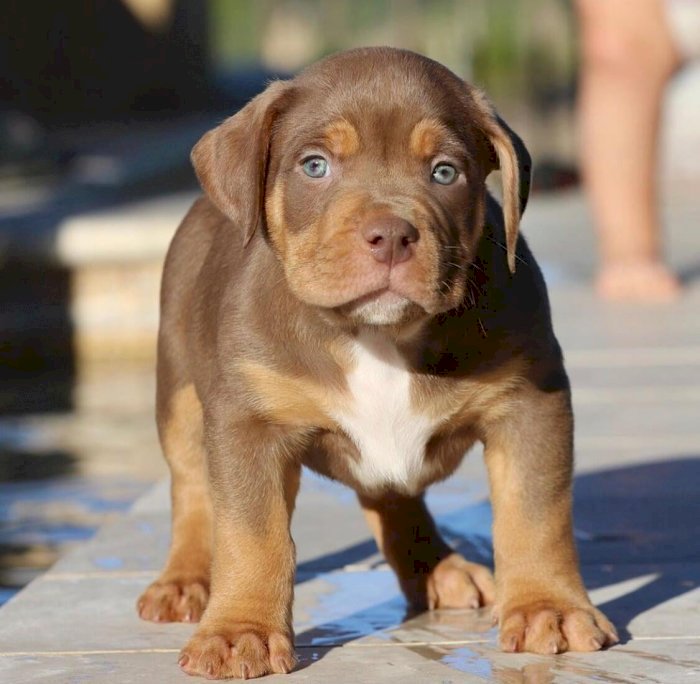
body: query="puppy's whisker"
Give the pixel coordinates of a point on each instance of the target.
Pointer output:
(505, 249)
(477, 267)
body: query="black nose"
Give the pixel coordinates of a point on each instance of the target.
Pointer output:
(390, 239)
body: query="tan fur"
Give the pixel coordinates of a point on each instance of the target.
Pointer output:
(341, 138)
(425, 138)
(255, 611)
(181, 592)
(549, 597)
(287, 400)
(274, 209)
(510, 174)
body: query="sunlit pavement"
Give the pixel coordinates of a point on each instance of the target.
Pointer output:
(636, 377)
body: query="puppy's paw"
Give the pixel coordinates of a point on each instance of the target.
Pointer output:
(550, 627)
(242, 653)
(457, 583)
(174, 601)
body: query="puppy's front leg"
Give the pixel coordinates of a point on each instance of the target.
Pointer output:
(542, 605)
(246, 630)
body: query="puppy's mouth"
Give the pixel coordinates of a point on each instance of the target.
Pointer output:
(384, 306)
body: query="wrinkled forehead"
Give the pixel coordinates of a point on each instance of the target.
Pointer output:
(377, 116)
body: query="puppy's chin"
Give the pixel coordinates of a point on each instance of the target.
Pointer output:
(382, 308)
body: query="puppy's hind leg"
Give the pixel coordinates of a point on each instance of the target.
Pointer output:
(431, 573)
(181, 592)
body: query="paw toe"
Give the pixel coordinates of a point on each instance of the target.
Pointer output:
(588, 630)
(242, 655)
(457, 583)
(176, 601)
(547, 628)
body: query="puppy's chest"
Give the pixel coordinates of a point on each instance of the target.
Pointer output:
(381, 418)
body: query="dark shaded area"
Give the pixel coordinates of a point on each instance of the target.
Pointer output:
(23, 466)
(37, 362)
(85, 60)
(637, 513)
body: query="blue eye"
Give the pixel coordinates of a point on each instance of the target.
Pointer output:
(445, 174)
(315, 167)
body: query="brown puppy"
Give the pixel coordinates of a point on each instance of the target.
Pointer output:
(347, 297)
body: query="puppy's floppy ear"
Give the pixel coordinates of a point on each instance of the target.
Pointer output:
(231, 160)
(508, 153)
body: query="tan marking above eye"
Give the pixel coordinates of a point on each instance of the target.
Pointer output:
(426, 136)
(341, 138)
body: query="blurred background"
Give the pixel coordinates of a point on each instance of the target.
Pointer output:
(100, 103)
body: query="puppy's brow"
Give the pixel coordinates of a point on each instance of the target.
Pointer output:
(341, 138)
(430, 136)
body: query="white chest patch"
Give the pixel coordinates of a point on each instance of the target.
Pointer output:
(390, 435)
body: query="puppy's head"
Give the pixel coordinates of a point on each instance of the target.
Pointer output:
(366, 174)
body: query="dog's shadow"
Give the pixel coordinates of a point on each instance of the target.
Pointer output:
(636, 529)
(638, 524)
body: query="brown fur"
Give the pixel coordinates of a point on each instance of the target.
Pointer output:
(269, 285)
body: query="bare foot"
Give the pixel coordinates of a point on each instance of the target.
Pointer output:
(642, 281)
(174, 600)
(457, 583)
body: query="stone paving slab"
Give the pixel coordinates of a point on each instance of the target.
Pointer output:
(636, 384)
(651, 661)
(593, 333)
